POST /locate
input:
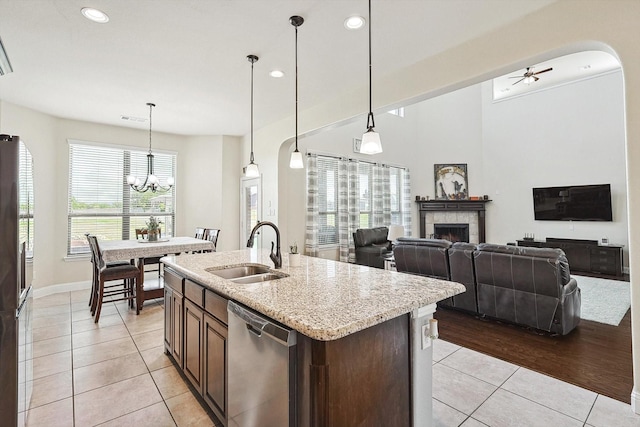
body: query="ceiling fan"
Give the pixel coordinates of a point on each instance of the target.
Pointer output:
(529, 76)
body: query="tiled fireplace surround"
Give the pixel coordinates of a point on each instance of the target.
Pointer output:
(470, 212)
(455, 217)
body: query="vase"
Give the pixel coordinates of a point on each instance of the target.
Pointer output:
(294, 260)
(153, 236)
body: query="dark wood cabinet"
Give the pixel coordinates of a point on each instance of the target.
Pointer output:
(173, 321)
(193, 349)
(196, 336)
(584, 255)
(214, 382)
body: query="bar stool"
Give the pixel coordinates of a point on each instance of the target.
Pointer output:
(125, 291)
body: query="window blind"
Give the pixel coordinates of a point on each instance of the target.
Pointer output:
(26, 196)
(327, 200)
(102, 203)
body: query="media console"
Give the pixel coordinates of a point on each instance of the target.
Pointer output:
(584, 255)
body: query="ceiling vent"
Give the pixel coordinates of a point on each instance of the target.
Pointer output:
(5, 64)
(133, 119)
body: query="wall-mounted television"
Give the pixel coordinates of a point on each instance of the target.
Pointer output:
(573, 203)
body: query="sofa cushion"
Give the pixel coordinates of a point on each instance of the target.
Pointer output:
(370, 236)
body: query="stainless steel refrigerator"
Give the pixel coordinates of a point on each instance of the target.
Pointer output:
(16, 271)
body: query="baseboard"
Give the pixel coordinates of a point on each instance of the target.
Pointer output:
(63, 287)
(635, 401)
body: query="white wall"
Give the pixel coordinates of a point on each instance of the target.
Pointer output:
(569, 135)
(207, 173)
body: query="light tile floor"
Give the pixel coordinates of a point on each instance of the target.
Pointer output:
(116, 373)
(113, 373)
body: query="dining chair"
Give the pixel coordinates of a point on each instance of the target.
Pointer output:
(212, 234)
(200, 232)
(95, 272)
(127, 276)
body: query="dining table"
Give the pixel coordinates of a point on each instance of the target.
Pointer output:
(138, 250)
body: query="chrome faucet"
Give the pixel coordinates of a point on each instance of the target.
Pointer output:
(277, 257)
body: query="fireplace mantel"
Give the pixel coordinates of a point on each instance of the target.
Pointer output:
(477, 206)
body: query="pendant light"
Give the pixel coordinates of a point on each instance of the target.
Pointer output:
(296, 157)
(151, 182)
(252, 170)
(370, 139)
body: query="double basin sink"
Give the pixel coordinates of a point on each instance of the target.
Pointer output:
(247, 274)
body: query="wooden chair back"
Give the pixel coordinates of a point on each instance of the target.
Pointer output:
(200, 231)
(212, 234)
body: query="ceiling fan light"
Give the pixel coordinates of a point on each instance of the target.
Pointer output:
(371, 142)
(296, 160)
(252, 171)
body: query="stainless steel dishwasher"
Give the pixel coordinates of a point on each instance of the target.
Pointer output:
(261, 370)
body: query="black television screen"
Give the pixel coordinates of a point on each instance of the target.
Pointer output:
(573, 203)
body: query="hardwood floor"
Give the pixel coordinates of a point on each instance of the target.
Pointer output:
(594, 356)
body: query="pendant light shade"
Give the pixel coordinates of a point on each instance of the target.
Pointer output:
(252, 171)
(370, 139)
(296, 157)
(296, 160)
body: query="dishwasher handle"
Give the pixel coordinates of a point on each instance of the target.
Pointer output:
(260, 326)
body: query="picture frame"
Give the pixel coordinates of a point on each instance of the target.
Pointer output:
(451, 181)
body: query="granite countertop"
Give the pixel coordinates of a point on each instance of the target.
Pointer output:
(323, 299)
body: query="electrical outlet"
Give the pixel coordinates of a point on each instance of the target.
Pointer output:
(426, 340)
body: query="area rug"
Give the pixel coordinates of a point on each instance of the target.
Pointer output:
(603, 300)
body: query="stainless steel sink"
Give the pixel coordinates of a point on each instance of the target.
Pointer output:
(233, 272)
(246, 274)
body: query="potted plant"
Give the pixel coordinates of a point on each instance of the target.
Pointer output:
(294, 256)
(153, 228)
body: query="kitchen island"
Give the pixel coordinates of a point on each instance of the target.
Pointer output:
(353, 356)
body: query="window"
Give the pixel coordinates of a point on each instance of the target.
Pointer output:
(365, 179)
(327, 200)
(357, 178)
(395, 194)
(102, 203)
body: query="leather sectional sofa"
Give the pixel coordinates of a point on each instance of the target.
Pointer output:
(526, 286)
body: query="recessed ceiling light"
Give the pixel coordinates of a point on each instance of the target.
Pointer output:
(276, 74)
(354, 22)
(95, 15)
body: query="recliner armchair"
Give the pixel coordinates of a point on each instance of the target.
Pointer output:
(426, 257)
(370, 244)
(528, 286)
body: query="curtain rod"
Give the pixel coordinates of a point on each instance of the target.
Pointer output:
(352, 159)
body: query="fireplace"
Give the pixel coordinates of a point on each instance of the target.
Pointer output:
(471, 212)
(451, 232)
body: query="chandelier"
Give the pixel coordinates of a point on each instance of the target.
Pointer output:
(151, 182)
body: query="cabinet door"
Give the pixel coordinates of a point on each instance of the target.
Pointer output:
(168, 321)
(215, 366)
(176, 327)
(193, 351)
